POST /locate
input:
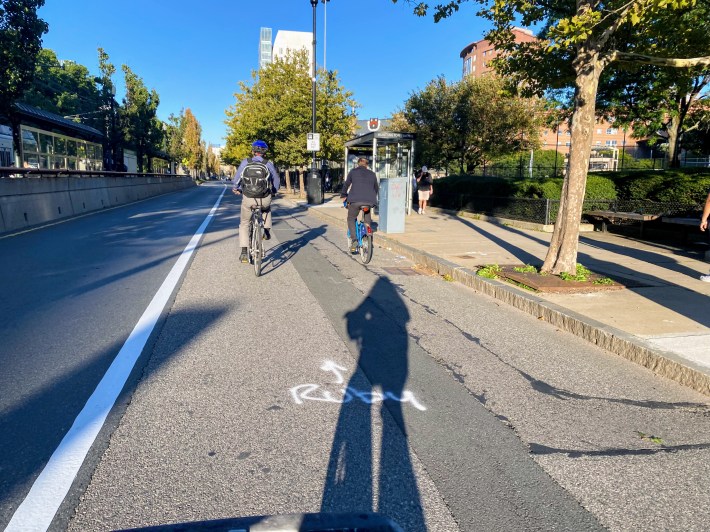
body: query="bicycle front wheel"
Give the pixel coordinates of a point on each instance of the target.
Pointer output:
(257, 249)
(366, 249)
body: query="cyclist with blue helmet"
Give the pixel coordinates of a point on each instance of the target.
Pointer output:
(258, 149)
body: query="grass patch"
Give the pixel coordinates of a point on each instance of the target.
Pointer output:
(528, 268)
(582, 274)
(490, 271)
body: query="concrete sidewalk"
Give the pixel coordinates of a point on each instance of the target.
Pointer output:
(661, 320)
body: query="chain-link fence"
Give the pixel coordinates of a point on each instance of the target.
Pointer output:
(545, 211)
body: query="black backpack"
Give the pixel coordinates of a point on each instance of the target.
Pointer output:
(255, 179)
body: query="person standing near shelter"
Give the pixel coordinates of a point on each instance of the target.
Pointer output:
(704, 227)
(360, 189)
(425, 188)
(248, 182)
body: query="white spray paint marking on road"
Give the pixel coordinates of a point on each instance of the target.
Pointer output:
(329, 365)
(314, 392)
(38, 509)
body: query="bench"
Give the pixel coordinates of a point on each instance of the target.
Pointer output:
(614, 217)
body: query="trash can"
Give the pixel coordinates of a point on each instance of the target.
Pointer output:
(314, 188)
(393, 203)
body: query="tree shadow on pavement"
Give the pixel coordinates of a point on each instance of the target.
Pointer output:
(366, 473)
(692, 305)
(281, 253)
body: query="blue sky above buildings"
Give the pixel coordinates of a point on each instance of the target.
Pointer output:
(195, 53)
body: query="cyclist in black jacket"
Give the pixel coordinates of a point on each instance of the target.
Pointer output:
(360, 188)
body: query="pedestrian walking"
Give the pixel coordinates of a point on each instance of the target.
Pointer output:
(425, 188)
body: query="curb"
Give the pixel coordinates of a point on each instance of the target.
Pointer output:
(662, 363)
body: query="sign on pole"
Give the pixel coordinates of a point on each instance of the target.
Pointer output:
(313, 142)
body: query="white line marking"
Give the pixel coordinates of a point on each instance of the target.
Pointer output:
(48, 491)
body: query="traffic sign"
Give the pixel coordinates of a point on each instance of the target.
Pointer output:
(313, 142)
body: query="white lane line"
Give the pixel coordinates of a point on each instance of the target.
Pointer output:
(48, 491)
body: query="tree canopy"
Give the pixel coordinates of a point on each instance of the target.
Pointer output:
(141, 127)
(578, 41)
(21, 33)
(467, 123)
(276, 107)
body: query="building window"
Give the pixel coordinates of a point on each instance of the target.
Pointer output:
(611, 131)
(59, 152)
(610, 142)
(568, 144)
(599, 131)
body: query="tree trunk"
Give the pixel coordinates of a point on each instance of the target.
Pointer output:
(673, 130)
(287, 178)
(562, 254)
(301, 184)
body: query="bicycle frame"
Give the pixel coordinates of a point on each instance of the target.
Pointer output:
(364, 239)
(256, 247)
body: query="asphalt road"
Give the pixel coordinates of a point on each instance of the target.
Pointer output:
(323, 386)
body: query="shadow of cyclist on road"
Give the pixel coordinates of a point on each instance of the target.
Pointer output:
(370, 468)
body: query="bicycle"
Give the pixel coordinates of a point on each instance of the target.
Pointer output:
(364, 237)
(256, 238)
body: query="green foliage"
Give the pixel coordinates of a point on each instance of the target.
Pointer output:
(604, 281)
(462, 125)
(599, 187)
(65, 88)
(191, 141)
(528, 268)
(686, 185)
(489, 271)
(21, 33)
(276, 107)
(138, 116)
(582, 274)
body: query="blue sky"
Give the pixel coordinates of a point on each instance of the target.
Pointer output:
(195, 53)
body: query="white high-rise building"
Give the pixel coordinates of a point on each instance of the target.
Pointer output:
(290, 41)
(264, 47)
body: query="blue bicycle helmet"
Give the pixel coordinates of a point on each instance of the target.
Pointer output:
(259, 146)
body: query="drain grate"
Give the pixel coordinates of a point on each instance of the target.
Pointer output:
(401, 271)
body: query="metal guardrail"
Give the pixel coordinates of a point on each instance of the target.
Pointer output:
(9, 171)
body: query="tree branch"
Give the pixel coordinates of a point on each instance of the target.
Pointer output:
(625, 57)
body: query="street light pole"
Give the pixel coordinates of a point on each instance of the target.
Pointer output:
(314, 186)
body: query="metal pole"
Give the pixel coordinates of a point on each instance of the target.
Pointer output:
(314, 3)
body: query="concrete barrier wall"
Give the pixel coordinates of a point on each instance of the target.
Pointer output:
(30, 201)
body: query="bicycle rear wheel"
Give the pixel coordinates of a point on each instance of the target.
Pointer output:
(257, 248)
(366, 249)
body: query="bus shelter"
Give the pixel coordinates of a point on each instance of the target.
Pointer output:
(390, 154)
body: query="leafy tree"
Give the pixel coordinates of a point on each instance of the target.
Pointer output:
(470, 122)
(21, 33)
(580, 40)
(656, 99)
(174, 136)
(191, 142)
(139, 122)
(110, 107)
(334, 117)
(276, 107)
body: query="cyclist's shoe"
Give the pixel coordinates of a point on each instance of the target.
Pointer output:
(267, 234)
(243, 257)
(353, 246)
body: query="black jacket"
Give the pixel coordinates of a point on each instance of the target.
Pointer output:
(361, 186)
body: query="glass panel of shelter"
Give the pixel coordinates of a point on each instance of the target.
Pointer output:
(48, 150)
